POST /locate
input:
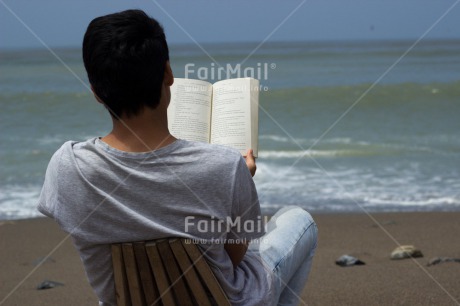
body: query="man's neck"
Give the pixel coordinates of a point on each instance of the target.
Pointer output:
(141, 133)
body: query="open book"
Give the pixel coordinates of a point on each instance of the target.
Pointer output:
(225, 113)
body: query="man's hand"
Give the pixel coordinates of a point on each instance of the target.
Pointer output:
(236, 252)
(251, 162)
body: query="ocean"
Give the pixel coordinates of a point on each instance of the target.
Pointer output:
(344, 126)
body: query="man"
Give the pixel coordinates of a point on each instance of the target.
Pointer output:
(140, 183)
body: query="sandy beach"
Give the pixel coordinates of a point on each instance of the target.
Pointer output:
(380, 281)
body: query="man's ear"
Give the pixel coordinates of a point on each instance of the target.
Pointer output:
(168, 78)
(95, 95)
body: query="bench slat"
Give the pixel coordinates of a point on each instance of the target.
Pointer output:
(187, 268)
(175, 276)
(206, 273)
(150, 291)
(119, 275)
(134, 282)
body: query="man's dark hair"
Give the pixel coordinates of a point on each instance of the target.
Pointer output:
(125, 56)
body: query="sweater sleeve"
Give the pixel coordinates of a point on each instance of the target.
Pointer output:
(247, 221)
(48, 200)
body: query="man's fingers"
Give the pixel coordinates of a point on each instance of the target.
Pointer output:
(250, 161)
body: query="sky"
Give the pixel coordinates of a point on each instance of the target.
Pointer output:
(62, 23)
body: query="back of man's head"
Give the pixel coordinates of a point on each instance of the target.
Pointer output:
(125, 56)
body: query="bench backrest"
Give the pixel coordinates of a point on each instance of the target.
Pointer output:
(164, 272)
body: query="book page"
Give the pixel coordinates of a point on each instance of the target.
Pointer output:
(234, 119)
(189, 112)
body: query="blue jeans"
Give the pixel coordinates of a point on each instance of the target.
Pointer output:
(287, 251)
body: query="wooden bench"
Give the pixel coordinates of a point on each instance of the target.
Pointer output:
(164, 272)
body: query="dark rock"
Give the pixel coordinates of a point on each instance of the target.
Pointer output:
(438, 260)
(348, 261)
(47, 284)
